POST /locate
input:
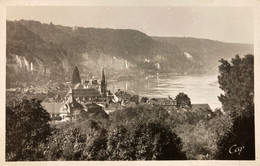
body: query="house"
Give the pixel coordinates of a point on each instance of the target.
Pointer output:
(162, 101)
(82, 95)
(73, 108)
(121, 95)
(103, 101)
(76, 99)
(93, 111)
(168, 104)
(130, 102)
(55, 109)
(124, 97)
(61, 110)
(90, 106)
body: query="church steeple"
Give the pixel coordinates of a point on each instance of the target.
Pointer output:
(75, 76)
(103, 83)
(103, 75)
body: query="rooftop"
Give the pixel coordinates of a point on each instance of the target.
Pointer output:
(85, 93)
(53, 108)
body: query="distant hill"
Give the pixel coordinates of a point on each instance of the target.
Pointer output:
(29, 57)
(208, 52)
(36, 51)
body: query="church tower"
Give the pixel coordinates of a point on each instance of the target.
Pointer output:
(103, 83)
(75, 76)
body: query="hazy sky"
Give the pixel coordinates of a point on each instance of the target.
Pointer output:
(229, 24)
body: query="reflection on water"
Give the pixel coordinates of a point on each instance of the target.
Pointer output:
(200, 89)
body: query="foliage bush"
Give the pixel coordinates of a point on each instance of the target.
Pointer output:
(140, 133)
(150, 140)
(133, 140)
(27, 128)
(183, 101)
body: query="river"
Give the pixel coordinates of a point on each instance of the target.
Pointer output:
(199, 88)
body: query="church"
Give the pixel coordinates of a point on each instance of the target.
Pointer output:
(85, 92)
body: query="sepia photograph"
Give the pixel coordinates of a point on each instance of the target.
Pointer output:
(129, 83)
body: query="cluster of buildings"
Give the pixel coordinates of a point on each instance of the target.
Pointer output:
(87, 95)
(93, 95)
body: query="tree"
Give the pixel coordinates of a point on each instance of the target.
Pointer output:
(66, 142)
(144, 99)
(117, 143)
(75, 77)
(197, 140)
(239, 142)
(183, 100)
(140, 113)
(26, 128)
(142, 133)
(142, 140)
(236, 79)
(96, 143)
(85, 140)
(153, 140)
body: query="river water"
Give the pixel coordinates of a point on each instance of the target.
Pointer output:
(200, 88)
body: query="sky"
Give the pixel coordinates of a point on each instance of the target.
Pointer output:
(227, 24)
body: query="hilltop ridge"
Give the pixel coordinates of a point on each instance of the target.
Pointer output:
(38, 50)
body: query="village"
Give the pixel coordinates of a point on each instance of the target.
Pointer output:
(65, 105)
